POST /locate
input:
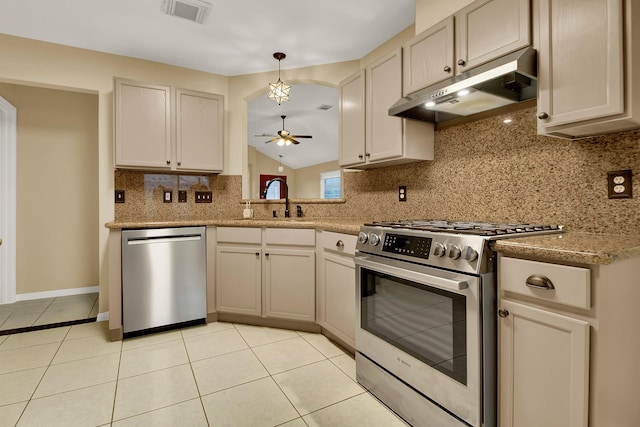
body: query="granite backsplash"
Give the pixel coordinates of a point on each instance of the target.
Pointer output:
(485, 170)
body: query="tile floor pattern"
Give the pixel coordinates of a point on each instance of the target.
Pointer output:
(220, 374)
(46, 311)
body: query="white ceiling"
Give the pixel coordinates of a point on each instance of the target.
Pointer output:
(239, 36)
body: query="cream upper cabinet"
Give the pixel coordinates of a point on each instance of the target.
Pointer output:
(352, 119)
(588, 56)
(383, 140)
(159, 127)
(199, 131)
(482, 31)
(142, 117)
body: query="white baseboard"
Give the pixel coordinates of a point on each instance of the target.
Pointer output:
(56, 293)
(103, 316)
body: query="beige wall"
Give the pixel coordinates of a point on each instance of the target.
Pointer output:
(49, 65)
(430, 12)
(57, 188)
(308, 179)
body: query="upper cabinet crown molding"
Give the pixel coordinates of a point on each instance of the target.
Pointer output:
(588, 55)
(480, 32)
(163, 128)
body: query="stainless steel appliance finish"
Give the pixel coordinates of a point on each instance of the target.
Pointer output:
(507, 80)
(163, 277)
(426, 333)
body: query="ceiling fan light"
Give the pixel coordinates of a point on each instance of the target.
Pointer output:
(281, 142)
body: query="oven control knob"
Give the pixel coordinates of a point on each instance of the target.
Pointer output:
(363, 237)
(374, 239)
(453, 251)
(438, 249)
(469, 254)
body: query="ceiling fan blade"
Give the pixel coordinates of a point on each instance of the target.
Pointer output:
(293, 141)
(272, 140)
(264, 134)
(301, 136)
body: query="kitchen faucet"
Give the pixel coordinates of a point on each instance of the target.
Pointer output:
(286, 194)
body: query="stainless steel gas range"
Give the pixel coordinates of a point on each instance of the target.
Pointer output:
(426, 330)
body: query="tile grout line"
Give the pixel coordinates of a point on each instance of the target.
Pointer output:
(206, 417)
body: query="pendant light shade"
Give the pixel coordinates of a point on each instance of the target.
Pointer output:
(279, 91)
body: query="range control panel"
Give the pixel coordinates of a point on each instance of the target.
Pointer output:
(414, 246)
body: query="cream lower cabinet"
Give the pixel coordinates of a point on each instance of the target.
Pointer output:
(268, 273)
(543, 352)
(337, 285)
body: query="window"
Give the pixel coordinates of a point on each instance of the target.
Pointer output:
(275, 191)
(330, 183)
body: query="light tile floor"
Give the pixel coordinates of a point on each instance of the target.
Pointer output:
(48, 311)
(220, 374)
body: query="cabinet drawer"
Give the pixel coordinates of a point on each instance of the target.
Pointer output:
(571, 285)
(240, 235)
(331, 241)
(290, 236)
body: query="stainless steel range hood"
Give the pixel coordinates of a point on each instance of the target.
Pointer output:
(508, 80)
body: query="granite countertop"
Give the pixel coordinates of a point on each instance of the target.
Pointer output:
(576, 247)
(338, 225)
(571, 246)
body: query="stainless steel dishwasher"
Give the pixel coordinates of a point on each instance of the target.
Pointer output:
(164, 278)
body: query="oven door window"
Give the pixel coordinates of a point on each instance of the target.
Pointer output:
(428, 323)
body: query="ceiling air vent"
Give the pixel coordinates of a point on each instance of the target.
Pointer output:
(193, 10)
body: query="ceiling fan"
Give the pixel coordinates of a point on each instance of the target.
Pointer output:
(284, 136)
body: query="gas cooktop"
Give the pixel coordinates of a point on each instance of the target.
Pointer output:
(464, 227)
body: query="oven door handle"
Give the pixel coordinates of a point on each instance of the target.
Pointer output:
(438, 282)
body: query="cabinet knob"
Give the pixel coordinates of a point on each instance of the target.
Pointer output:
(368, 155)
(257, 254)
(340, 244)
(461, 62)
(168, 162)
(360, 156)
(447, 69)
(267, 255)
(503, 313)
(543, 116)
(179, 163)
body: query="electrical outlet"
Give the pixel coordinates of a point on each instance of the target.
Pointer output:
(167, 196)
(619, 184)
(204, 196)
(402, 193)
(119, 196)
(182, 196)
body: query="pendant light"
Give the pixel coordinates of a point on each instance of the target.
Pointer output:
(279, 91)
(280, 168)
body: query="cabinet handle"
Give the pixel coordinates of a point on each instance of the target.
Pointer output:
(360, 156)
(340, 244)
(461, 62)
(168, 162)
(543, 116)
(447, 69)
(368, 155)
(267, 255)
(539, 281)
(503, 313)
(257, 254)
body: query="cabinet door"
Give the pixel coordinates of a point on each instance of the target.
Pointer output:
(352, 117)
(580, 61)
(428, 58)
(238, 280)
(290, 284)
(384, 88)
(488, 29)
(199, 131)
(339, 296)
(142, 125)
(544, 368)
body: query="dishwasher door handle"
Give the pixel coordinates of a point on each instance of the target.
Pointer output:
(151, 240)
